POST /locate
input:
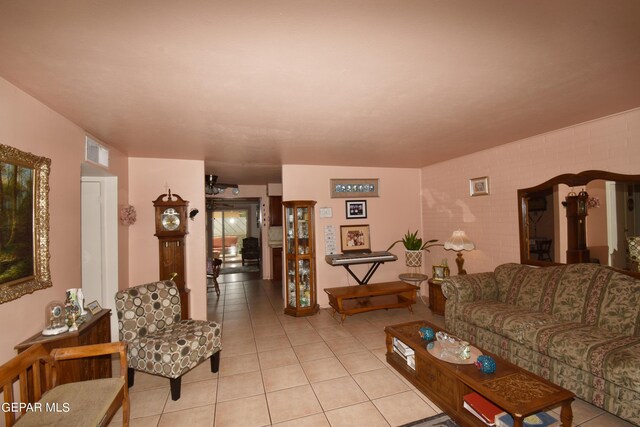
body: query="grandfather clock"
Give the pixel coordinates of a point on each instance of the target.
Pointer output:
(171, 229)
(576, 205)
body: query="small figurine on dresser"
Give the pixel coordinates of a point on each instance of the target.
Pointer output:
(55, 319)
(72, 308)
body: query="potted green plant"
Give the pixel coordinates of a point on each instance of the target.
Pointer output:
(414, 246)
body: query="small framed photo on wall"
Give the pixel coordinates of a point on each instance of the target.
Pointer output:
(356, 209)
(479, 186)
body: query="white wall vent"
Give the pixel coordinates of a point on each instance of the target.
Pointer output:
(96, 153)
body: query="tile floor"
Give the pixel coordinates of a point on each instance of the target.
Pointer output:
(284, 371)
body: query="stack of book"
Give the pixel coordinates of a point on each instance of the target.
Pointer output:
(405, 352)
(484, 410)
(493, 415)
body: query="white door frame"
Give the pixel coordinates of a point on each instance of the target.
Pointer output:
(107, 229)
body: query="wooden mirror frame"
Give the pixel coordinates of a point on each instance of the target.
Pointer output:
(41, 277)
(571, 180)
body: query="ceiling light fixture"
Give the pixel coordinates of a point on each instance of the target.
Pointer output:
(213, 187)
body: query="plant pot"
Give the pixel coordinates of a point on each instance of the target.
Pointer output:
(413, 258)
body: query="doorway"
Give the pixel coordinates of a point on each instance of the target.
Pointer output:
(229, 222)
(99, 230)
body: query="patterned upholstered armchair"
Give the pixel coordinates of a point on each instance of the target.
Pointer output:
(159, 342)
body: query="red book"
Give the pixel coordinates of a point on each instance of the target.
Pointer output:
(482, 406)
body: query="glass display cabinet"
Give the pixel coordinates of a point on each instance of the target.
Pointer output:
(300, 258)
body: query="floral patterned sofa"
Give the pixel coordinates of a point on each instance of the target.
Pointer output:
(577, 325)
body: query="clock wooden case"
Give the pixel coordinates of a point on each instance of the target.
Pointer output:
(171, 229)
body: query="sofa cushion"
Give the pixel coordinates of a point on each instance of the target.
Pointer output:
(615, 358)
(515, 323)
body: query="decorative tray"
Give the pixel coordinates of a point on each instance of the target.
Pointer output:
(447, 353)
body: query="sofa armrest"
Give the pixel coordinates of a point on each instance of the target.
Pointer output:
(466, 288)
(470, 287)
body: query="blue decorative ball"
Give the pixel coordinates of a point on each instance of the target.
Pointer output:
(426, 333)
(486, 364)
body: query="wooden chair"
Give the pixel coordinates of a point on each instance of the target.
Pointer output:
(43, 402)
(213, 271)
(543, 249)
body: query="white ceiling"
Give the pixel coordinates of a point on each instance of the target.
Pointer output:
(251, 85)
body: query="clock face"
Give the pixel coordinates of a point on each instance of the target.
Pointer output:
(56, 311)
(170, 219)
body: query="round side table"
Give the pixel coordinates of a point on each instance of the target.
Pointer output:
(415, 279)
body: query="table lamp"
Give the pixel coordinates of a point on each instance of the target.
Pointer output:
(459, 242)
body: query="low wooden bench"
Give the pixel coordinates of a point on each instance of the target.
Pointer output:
(349, 300)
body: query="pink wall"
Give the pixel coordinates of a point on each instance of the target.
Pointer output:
(611, 143)
(147, 180)
(389, 216)
(28, 125)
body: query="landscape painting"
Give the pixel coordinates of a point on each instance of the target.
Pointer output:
(16, 223)
(24, 223)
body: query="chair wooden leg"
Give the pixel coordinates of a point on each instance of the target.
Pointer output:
(130, 373)
(175, 387)
(215, 361)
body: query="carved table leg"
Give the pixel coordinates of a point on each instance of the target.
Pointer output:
(566, 414)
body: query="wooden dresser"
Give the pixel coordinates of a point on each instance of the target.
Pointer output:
(96, 329)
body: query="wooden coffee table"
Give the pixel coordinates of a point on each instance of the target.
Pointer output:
(350, 300)
(517, 391)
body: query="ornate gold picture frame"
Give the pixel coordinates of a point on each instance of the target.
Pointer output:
(24, 223)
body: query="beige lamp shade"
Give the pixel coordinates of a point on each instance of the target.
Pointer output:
(459, 242)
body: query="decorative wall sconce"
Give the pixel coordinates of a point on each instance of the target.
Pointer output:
(127, 215)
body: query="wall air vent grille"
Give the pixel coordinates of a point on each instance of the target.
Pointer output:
(96, 153)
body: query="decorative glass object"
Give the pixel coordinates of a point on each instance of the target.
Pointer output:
(427, 333)
(486, 364)
(55, 318)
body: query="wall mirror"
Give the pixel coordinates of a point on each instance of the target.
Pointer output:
(24, 223)
(592, 216)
